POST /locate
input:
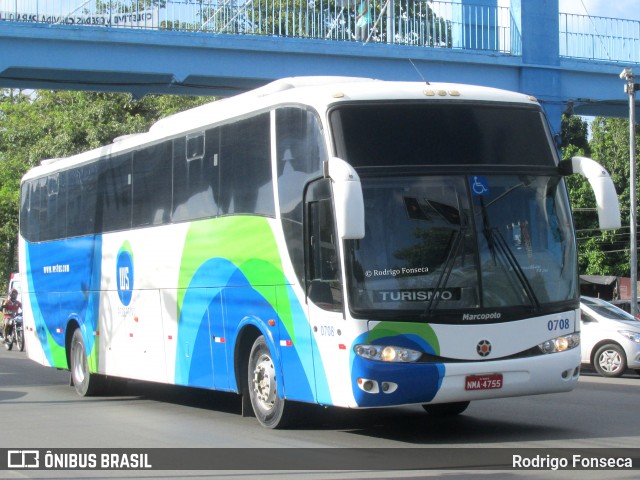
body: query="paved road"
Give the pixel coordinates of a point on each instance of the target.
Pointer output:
(41, 411)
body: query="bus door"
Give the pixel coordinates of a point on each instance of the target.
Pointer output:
(324, 289)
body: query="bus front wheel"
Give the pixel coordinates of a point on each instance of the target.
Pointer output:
(85, 383)
(270, 410)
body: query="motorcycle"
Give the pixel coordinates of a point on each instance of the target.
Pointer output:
(15, 335)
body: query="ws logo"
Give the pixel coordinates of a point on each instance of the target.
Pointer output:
(124, 273)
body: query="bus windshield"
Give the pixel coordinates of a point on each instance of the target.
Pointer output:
(461, 246)
(446, 243)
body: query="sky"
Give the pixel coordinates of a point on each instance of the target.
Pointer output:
(627, 9)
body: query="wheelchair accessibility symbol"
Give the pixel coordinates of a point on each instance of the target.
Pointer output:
(479, 185)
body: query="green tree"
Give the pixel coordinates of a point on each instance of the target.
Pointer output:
(575, 134)
(610, 147)
(600, 252)
(46, 124)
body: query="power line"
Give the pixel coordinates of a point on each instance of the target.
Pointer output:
(604, 252)
(595, 28)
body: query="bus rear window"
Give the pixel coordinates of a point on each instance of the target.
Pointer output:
(437, 135)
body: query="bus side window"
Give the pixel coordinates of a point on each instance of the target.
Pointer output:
(113, 207)
(75, 208)
(88, 203)
(324, 286)
(196, 175)
(246, 167)
(35, 209)
(56, 205)
(25, 219)
(152, 185)
(300, 151)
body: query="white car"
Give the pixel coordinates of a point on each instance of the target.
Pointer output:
(609, 338)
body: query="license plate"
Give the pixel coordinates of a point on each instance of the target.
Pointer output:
(483, 382)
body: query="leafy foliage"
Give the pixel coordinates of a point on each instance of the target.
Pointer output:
(47, 124)
(600, 252)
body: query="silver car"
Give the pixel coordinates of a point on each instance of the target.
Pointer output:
(609, 337)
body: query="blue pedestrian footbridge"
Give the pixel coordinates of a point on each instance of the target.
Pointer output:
(571, 63)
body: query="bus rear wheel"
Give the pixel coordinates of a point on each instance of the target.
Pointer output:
(270, 410)
(446, 409)
(85, 383)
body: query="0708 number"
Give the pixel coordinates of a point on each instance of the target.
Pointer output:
(561, 324)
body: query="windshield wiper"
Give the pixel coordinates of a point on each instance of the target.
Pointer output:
(446, 271)
(496, 242)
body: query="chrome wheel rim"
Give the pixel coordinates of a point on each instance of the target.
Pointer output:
(264, 382)
(610, 361)
(79, 362)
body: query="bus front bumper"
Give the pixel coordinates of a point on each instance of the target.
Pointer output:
(379, 384)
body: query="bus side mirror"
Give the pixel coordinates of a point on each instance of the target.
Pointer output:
(347, 197)
(601, 184)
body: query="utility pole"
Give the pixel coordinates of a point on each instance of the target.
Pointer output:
(630, 89)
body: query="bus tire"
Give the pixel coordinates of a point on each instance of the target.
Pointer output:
(446, 409)
(86, 384)
(270, 410)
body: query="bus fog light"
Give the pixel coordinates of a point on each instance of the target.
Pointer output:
(368, 385)
(388, 387)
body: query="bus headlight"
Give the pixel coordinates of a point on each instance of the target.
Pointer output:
(387, 353)
(560, 344)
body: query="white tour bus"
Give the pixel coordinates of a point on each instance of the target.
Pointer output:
(336, 241)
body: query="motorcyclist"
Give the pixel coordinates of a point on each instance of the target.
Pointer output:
(10, 308)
